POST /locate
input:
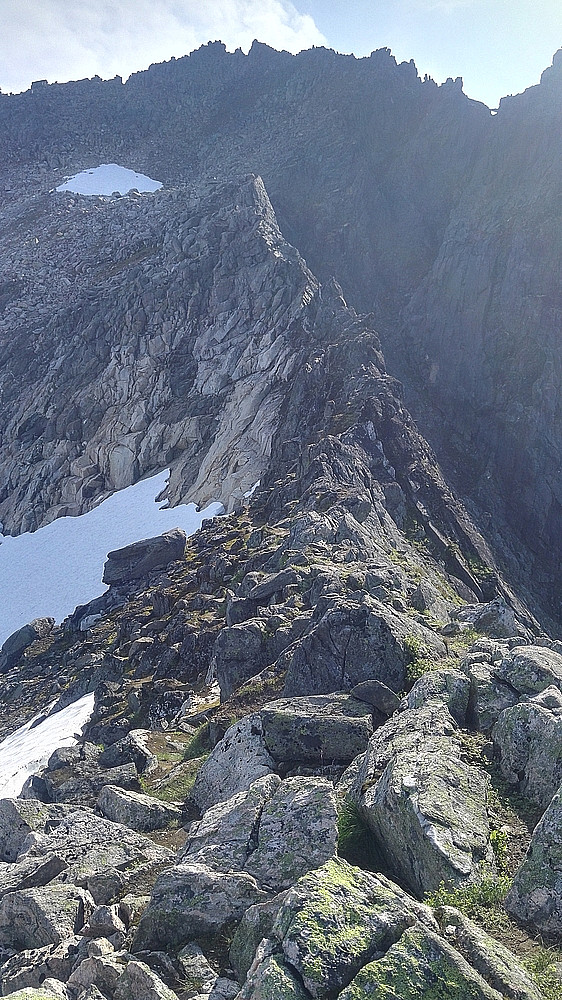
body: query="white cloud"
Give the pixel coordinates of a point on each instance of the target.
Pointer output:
(71, 39)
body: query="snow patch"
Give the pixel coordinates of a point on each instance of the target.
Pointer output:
(50, 571)
(106, 179)
(28, 749)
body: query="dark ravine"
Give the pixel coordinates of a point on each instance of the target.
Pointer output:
(323, 758)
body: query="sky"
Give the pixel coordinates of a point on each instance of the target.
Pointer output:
(499, 47)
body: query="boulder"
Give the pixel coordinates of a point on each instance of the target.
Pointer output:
(33, 918)
(104, 922)
(489, 694)
(320, 729)
(30, 967)
(377, 694)
(354, 642)
(272, 978)
(95, 848)
(420, 965)
(531, 669)
(191, 902)
(425, 805)
(140, 558)
(198, 977)
(227, 834)
(447, 685)
(29, 873)
(535, 897)
(20, 817)
(495, 619)
(495, 963)
(528, 740)
(139, 812)
(256, 924)
(139, 982)
(102, 971)
(336, 918)
(237, 760)
(16, 644)
(297, 831)
(239, 653)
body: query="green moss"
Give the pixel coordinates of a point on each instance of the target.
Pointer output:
(481, 901)
(356, 842)
(541, 963)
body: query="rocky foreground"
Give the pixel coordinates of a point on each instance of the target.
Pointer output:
(317, 767)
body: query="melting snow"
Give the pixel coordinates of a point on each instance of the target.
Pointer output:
(29, 748)
(106, 179)
(52, 570)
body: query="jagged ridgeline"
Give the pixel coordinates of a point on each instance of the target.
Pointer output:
(324, 757)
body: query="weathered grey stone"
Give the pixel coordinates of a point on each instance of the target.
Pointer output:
(335, 919)
(33, 918)
(495, 963)
(192, 903)
(197, 975)
(378, 695)
(35, 993)
(29, 872)
(141, 558)
(531, 669)
(352, 643)
(272, 978)
(495, 619)
(319, 729)
(16, 644)
(135, 810)
(139, 982)
(227, 834)
(450, 686)
(489, 695)
(424, 804)
(30, 967)
(426, 598)
(239, 759)
(256, 924)
(103, 922)
(528, 739)
(103, 972)
(93, 846)
(420, 964)
(19, 817)
(297, 832)
(240, 652)
(536, 894)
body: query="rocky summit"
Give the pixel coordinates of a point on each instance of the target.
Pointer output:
(323, 757)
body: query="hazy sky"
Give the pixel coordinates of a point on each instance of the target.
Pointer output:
(498, 46)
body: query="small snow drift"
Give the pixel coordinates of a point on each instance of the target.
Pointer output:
(52, 570)
(107, 179)
(29, 748)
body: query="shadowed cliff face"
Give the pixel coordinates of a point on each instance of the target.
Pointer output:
(432, 213)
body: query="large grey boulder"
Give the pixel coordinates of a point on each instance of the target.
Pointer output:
(239, 653)
(228, 831)
(297, 832)
(447, 685)
(425, 805)
(103, 971)
(490, 694)
(198, 976)
(33, 918)
(16, 644)
(320, 729)
(139, 982)
(272, 978)
(93, 848)
(535, 897)
(191, 902)
(237, 760)
(531, 669)
(29, 873)
(336, 918)
(20, 817)
(351, 643)
(139, 812)
(256, 924)
(420, 964)
(141, 558)
(528, 740)
(495, 619)
(30, 967)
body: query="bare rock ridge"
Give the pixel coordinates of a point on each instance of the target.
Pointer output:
(435, 215)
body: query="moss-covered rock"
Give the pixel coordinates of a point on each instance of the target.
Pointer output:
(319, 729)
(536, 895)
(272, 980)
(337, 918)
(528, 739)
(421, 966)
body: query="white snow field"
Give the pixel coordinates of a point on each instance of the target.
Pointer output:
(108, 178)
(50, 571)
(29, 748)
